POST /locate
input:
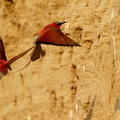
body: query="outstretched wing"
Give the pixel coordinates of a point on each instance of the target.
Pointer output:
(19, 56)
(52, 35)
(2, 51)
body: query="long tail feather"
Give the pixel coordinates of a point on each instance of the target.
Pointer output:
(36, 52)
(19, 56)
(24, 67)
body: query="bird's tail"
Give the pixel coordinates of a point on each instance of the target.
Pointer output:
(36, 52)
(34, 55)
(18, 56)
(24, 67)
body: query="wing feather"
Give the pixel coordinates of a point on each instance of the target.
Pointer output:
(2, 51)
(54, 36)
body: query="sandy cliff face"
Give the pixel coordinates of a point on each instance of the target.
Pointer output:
(79, 83)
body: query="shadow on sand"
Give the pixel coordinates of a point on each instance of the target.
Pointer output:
(117, 105)
(89, 115)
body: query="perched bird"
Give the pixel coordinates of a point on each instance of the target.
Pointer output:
(4, 64)
(50, 34)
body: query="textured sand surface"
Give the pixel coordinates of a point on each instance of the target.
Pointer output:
(79, 83)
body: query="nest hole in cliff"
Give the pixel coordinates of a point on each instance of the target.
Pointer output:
(78, 31)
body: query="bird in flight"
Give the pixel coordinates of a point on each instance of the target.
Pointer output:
(4, 64)
(50, 34)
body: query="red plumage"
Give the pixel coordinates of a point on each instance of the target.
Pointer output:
(51, 34)
(4, 64)
(2, 51)
(54, 36)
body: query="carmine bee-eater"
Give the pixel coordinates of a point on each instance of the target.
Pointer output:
(4, 64)
(50, 34)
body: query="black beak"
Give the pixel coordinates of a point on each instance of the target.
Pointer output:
(60, 23)
(63, 22)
